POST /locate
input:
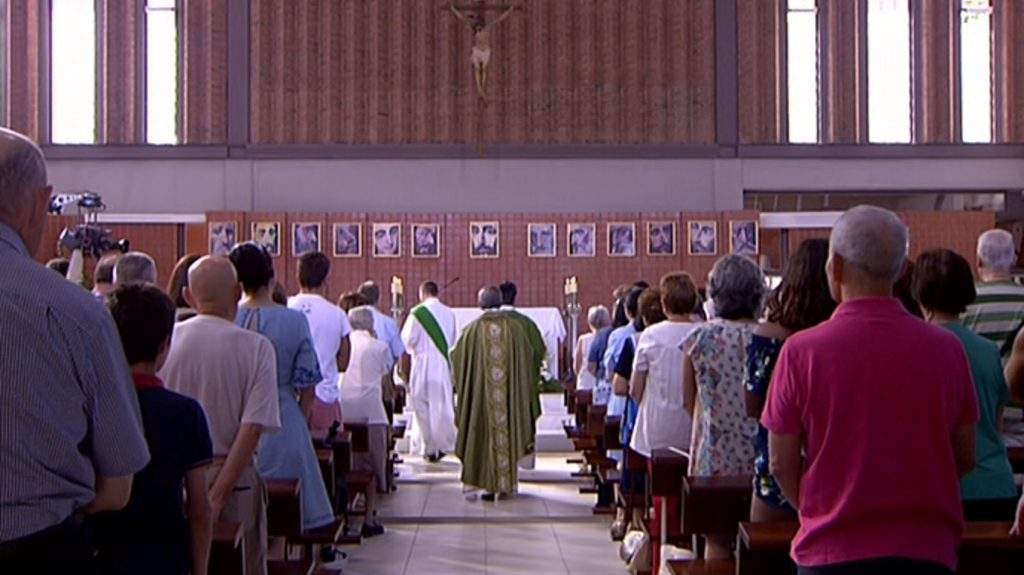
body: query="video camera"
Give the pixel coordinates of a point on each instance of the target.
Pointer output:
(88, 236)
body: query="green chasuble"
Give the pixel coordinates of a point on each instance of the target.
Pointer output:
(540, 349)
(495, 370)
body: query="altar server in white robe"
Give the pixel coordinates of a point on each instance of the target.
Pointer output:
(429, 334)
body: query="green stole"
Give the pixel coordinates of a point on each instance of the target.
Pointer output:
(430, 325)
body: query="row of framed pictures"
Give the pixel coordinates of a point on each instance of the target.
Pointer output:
(485, 239)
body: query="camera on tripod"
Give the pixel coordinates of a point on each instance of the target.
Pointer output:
(87, 236)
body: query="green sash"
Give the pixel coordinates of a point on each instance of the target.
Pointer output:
(429, 323)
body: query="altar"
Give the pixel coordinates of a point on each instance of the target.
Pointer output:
(548, 320)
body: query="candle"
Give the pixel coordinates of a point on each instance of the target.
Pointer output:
(396, 285)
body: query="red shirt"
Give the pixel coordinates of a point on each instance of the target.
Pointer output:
(876, 394)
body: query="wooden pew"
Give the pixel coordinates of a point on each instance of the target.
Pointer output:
(702, 567)
(226, 553)
(284, 519)
(715, 505)
(1016, 455)
(358, 481)
(986, 549)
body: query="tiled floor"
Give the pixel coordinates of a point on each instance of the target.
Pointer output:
(433, 530)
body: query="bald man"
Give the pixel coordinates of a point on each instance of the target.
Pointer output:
(70, 432)
(871, 418)
(232, 373)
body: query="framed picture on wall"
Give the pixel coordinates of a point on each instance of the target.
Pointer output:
(661, 238)
(268, 235)
(305, 238)
(622, 239)
(426, 240)
(702, 238)
(743, 237)
(543, 240)
(484, 240)
(582, 240)
(348, 240)
(387, 240)
(222, 236)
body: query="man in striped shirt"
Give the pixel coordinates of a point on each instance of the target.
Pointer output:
(70, 433)
(998, 312)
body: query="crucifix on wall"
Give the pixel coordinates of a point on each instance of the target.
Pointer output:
(474, 16)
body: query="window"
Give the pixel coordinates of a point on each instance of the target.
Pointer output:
(888, 71)
(73, 76)
(802, 70)
(976, 70)
(161, 72)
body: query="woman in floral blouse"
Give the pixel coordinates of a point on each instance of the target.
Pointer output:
(714, 373)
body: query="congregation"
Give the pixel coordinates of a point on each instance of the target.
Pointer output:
(134, 417)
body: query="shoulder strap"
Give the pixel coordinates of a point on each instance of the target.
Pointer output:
(430, 325)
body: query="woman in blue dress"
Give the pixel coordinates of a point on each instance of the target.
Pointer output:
(801, 301)
(287, 454)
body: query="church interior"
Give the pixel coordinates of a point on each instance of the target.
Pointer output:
(568, 157)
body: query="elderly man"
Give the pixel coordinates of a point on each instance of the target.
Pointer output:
(362, 401)
(134, 267)
(496, 369)
(232, 373)
(70, 433)
(428, 335)
(103, 276)
(998, 312)
(883, 408)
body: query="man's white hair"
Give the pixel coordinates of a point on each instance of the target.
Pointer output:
(598, 317)
(872, 240)
(997, 250)
(361, 318)
(135, 267)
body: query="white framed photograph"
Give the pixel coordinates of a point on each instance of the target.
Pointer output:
(622, 239)
(387, 240)
(702, 237)
(743, 237)
(582, 240)
(348, 240)
(268, 235)
(426, 240)
(543, 240)
(484, 240)
(661, 238)
(222, 237)
(305, 238)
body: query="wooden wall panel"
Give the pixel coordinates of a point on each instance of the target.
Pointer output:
(936, 74)
(393, 72)
(204, 93)
(844, 90)
(760, 35)
(23, 100)
(118, 28)
(1008, 23)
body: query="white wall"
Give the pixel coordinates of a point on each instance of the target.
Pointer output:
(540, 185)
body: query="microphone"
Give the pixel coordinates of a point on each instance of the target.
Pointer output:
(451, 283)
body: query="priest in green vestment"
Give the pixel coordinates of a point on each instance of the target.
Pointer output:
(496, 368)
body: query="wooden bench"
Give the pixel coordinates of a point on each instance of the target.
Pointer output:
(715, 505)
(987, 548)
(702, 567)
(1016, 455)
(227, 555)
(284, 519)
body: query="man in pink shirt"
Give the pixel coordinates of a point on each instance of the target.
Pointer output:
(883, 408)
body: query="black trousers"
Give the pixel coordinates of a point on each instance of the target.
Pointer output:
(64, 548)
(990, 509)
(884, 566)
